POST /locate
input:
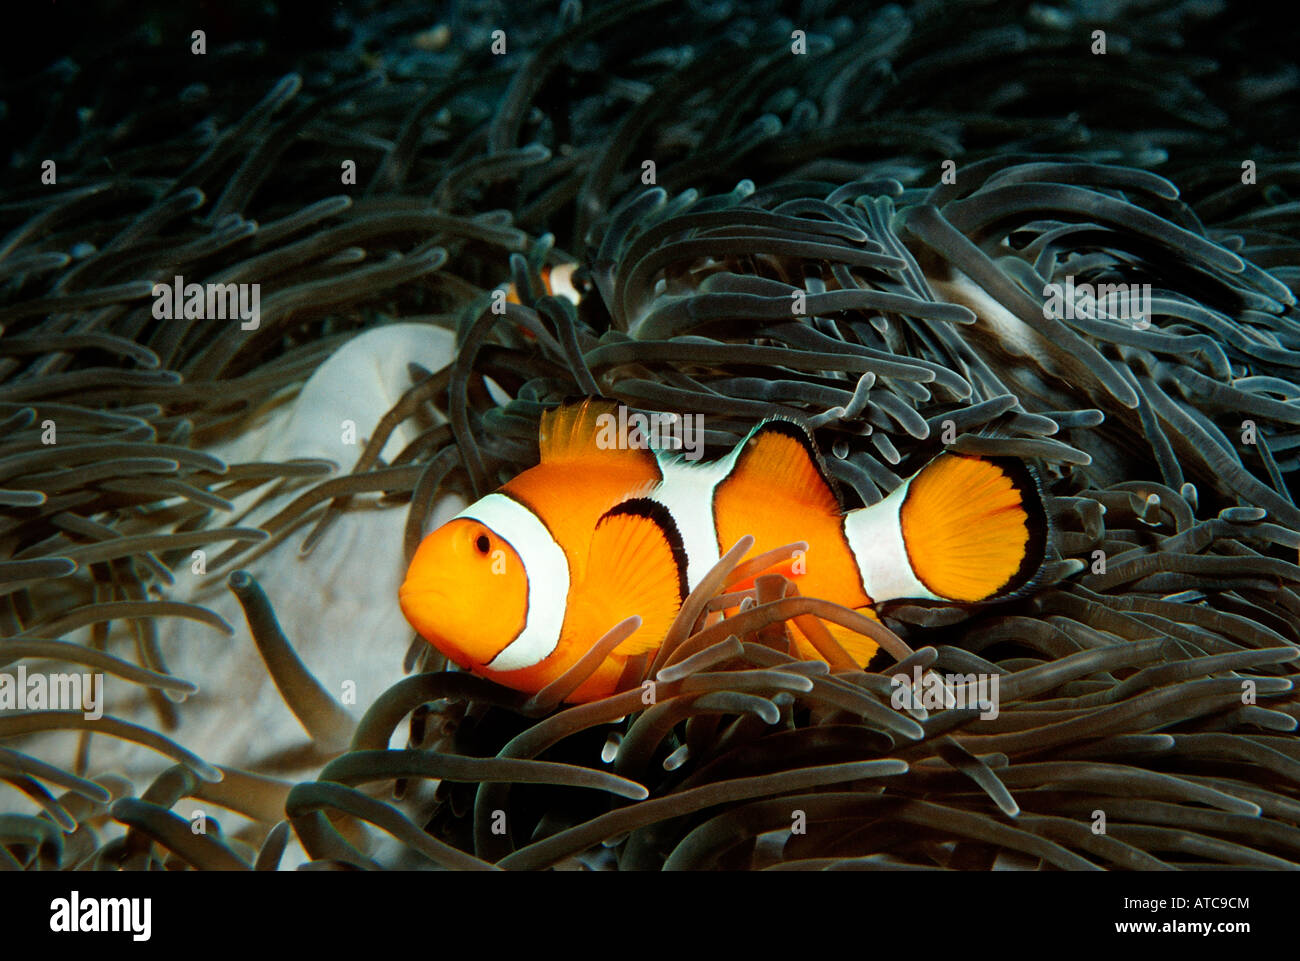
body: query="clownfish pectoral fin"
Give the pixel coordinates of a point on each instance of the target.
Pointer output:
(780, 455)
(964, 529)
(637, 565)
(591, 432)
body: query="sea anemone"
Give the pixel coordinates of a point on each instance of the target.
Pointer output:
(863, 235)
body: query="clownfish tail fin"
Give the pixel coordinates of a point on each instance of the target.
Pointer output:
(963, 529)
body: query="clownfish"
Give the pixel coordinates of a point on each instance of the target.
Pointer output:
(523, 582)
(558, 280)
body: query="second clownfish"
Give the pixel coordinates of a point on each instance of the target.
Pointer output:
(523, 582)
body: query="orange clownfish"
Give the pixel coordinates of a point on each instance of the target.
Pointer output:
(520, 584)
(559, 280)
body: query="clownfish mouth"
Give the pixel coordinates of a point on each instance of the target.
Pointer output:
(416, 600)
(420, 606)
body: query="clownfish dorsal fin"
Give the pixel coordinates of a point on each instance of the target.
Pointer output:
(636, 565)
(780, 455)
(591, 431)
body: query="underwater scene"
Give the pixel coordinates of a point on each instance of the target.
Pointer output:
(660, 435)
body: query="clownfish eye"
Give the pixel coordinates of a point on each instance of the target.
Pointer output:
(483, 544)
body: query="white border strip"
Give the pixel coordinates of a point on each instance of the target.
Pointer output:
(875, 536)
(546, 569)
(687, 491)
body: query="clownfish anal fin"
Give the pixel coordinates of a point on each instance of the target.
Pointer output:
(637, 565)
(858, 646)
(590, 432)
(780, 455)
(975, 528)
